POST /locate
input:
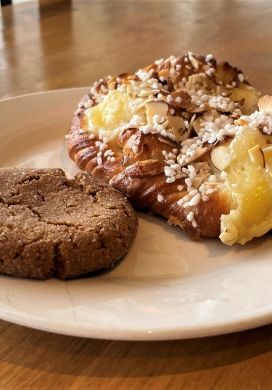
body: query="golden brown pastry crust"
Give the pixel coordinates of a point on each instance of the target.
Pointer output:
(141, 178)
(139, 172)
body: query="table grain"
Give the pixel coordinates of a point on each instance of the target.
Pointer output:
(51, 44)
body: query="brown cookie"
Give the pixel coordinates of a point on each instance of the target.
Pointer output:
(51, 226)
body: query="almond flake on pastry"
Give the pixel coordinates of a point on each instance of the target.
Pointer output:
(167, 135)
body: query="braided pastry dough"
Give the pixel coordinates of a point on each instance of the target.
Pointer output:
(175, 137)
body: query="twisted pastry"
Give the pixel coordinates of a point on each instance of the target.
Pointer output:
(152, 135)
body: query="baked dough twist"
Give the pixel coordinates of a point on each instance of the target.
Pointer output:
(152, 135)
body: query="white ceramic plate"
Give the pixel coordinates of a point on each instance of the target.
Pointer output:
(167, 287)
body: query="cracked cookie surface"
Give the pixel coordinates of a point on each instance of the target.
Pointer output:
(51, 226)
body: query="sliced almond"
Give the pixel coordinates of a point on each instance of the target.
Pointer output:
(163, 73)
(226, 73)
(256, 155)
(265, 104)
(197, 181)
(175, 121)
(177, 126)
(241, 122)
(140, 107)
(220, 157)
(267, 151)
(149, 68)
(193, 60)
(247, 97)
(210, 116)
(155, 108)
(200, 152)
(148, 92)
(167, 142)
(197, 125)
(191, 124)
(181, 99)
(187, 133)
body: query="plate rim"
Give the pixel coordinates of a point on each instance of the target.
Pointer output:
(134, 334)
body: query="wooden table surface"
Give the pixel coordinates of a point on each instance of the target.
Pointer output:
(59, 44)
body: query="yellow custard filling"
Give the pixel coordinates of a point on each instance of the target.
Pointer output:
(249, 182)
(109, 115)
